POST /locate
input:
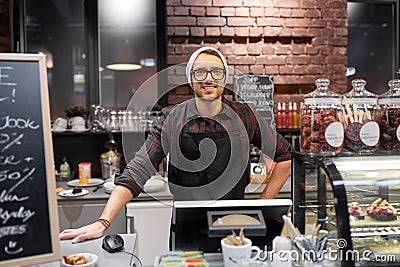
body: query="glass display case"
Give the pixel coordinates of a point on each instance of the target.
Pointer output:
(355, 199)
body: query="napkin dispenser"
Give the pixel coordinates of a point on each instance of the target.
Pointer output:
(221, 223)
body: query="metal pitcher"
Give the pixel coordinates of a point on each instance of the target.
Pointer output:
(110, 164)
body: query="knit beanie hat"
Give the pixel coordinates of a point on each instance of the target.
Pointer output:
(195, 54)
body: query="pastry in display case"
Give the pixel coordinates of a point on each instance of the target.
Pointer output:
(358, 117)
(356, 199)
(321, 131)
(388, 117)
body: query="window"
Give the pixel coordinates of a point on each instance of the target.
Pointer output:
(81, 38)
(373, 42)
(127, 34)
(55, 28)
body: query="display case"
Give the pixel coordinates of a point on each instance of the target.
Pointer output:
(355, 198)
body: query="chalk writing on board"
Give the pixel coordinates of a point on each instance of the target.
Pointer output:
(4, 75)
(257, 90)
(18, 163)
(11, 97)
(12, 248)
(28, 230)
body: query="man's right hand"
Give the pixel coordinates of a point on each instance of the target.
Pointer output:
(89, 231)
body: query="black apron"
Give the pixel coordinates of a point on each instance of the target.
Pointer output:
(189, 146)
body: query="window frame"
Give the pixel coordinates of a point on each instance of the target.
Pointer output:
(91, 33)
(396, 20)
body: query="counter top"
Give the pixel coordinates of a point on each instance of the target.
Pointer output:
(101, 195)
(105, 258)
(252, 191)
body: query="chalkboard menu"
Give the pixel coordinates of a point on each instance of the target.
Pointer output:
(28, 214)
(257, 90)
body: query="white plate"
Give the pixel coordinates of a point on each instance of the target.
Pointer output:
(80, 131)
(68, 193)
(86, 255)
(92, 182)
(59, 130)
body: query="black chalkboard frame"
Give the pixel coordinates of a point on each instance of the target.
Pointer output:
(55, 251)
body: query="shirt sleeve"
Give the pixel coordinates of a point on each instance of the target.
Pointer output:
(145, 162)
(271, 143)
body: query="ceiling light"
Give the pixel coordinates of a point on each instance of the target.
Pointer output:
(124, 66)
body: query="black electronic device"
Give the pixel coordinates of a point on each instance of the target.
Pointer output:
(192, 225)
(113, 243)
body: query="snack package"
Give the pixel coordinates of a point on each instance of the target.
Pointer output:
(85, 172)
(183, 259)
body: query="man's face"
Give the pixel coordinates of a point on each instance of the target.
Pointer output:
(211, 88)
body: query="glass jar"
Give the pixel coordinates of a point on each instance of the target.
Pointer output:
(388, 117)
(321, 131)
(361, 128)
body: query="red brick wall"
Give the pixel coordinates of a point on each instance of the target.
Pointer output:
(5, 39)
(297, 41)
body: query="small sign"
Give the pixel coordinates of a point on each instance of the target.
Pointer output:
(28, 206)
(257, 90)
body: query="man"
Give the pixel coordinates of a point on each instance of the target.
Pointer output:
(208, 141)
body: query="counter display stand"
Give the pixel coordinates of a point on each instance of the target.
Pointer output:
(355, 198)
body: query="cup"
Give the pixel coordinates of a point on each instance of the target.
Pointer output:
(235, 256)
(78, 120)
(60, 124)
(78, 127)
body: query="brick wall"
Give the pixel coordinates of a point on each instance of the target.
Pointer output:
(5, 40)
(297, 41)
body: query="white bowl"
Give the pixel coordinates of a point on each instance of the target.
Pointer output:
(86, 255)
(153, 185)
(109, 187)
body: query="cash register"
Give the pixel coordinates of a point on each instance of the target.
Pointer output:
(200, 225)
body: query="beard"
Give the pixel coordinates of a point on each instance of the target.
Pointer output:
(210, 93)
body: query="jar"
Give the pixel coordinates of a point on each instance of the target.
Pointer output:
(321, 131)
(388, 118)
(361, 128)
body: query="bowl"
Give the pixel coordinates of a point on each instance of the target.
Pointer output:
(109, 187)
(86, 255)
(153, 185)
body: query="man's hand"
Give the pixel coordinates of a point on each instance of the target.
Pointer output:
(90, 231)
(119, 197)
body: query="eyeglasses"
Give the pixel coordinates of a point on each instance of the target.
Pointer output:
(201, 74)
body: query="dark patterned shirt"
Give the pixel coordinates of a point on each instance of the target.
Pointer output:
(235, 118)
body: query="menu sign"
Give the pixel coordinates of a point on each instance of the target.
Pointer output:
(28, 214)
(257, 90)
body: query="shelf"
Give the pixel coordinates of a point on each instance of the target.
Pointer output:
(71, 133)
(289, 131)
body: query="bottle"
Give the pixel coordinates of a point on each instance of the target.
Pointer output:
(65, 169)
(279, 116)
(284, 116)
(296, 117)
(289, 116)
